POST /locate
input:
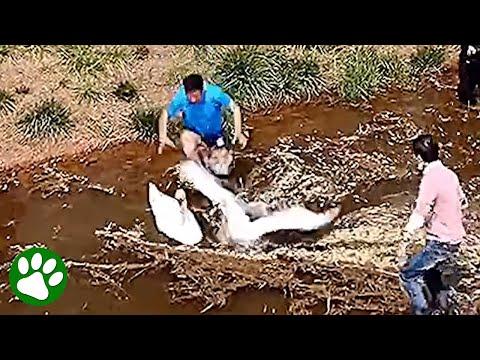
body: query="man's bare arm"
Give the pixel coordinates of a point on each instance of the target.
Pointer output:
(162, 132)
(237, 119)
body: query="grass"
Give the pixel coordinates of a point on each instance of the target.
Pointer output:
(362, 74)
(7, 102)
(119, 57)
(48, 120)
(88, 91)
(4, 50)
(187, 60)
(301, 79)
(394, 69)
(35, 51)
(228, 125)
(367, 71)
(144, 121)
(94, 60)
(427, 59)
(250, 75)
(82, 59)
(141, 52)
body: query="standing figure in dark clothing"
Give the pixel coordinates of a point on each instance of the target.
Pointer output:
(469, 74)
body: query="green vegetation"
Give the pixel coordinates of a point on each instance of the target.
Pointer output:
(48, 120)
(427, 59)
(300, 79)
(144, 121)
(263, 76)
(88, 91)
(364, 73)
(4, 50)
(94, 60)
(7, 103)
(248, 74)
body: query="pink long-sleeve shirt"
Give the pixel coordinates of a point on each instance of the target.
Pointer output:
(439, 203)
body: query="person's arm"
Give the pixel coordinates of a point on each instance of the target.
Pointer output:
(426, 198)
(237, 119)
(226, 101)
(162, 130)
(173, 109)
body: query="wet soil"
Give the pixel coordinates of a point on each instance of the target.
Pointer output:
(66, 224)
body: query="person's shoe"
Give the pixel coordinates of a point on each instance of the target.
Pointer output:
(437, 312)
(445, 299)
(423, 311)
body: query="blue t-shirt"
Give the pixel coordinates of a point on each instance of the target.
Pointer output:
(204, 117)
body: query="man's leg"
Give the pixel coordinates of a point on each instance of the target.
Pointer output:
(190, 142)
(412, 276)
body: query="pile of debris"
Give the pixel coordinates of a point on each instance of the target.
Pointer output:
(355, 267)
(8, 180)
(54, 181)
(391, 127)
(311, 169)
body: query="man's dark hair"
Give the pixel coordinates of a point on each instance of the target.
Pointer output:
(426, 148)
(193, 82)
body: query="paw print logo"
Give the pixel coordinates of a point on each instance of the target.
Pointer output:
(38, 276)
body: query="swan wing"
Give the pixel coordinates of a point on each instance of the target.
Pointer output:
(296, 218)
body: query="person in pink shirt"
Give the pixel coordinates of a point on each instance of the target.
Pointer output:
(438, 209)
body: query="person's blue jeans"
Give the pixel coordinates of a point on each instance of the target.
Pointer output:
(412, 275)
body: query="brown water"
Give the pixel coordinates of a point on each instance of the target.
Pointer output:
(67, 224)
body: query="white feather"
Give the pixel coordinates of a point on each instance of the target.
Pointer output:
(173, 221)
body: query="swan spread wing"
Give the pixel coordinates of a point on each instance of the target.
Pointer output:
(240, 228)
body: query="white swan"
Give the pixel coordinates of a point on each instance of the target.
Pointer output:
(239, 226)
(206, 183)
(173, 218)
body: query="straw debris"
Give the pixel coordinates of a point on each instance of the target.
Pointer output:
(54, 181)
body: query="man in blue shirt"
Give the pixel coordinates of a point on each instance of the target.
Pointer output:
(200, 104)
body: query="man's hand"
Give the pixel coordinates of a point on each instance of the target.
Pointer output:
(415, 222)
(402, 258)
(242, 140)
(410, 228)
(237, 120)
(167, 142)
(471, 50)
(161, 145)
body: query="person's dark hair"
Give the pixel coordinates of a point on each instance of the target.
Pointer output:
(425, 147)
(193, 82)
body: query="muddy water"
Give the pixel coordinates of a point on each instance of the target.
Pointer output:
(67, 224)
